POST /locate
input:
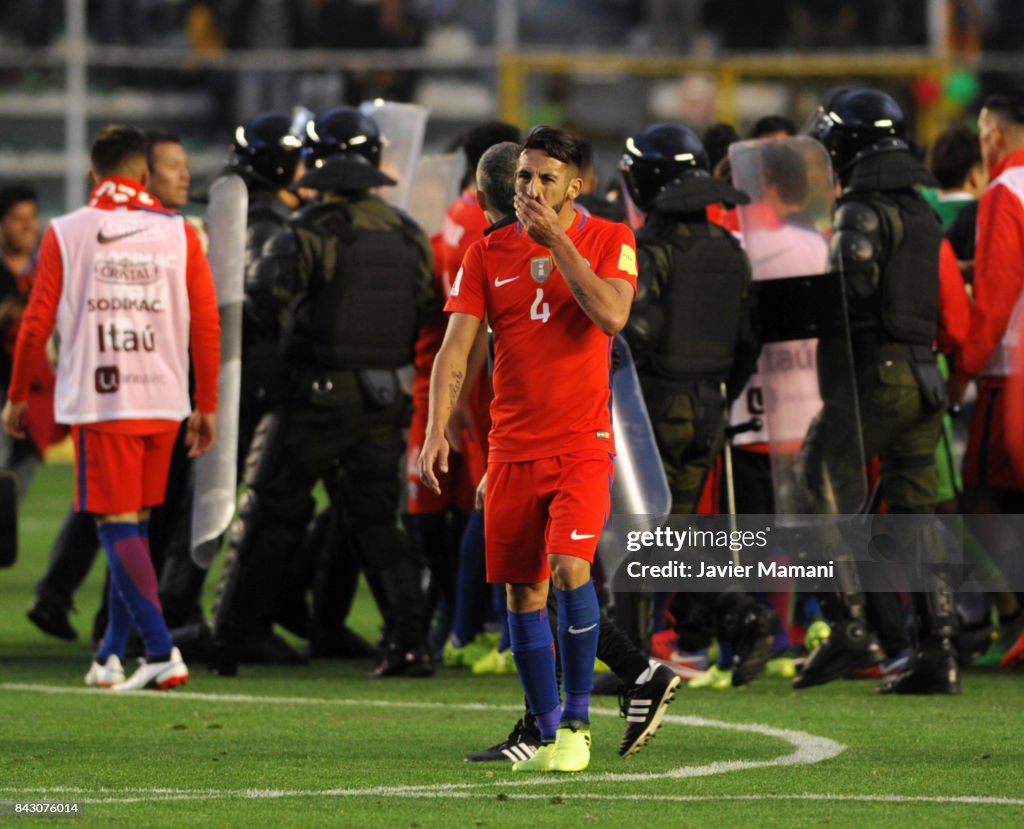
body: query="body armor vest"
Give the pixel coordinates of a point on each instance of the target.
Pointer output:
(701, 298)
(905, 301)
(359, 310)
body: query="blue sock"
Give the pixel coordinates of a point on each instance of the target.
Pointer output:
(471, 591)
(132, 574)
(533, 649)
(725, 656)
(579, 618)
(119, 627)
(812, 610)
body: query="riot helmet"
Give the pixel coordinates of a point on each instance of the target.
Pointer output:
(345, 131)
(856, 123)
(266, 149)
(657, 156)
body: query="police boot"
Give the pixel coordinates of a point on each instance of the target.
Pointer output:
(400, 660)
(246, 593)
(406, 652)
(934, 668)
(850, 647)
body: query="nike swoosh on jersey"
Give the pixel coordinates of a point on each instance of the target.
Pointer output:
(582, 630)
(106, 240)
(499, 282)
(579, 537)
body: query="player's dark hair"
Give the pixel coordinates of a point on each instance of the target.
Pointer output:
(496, 176)
(559, 145)
(772, 124)
(481, 138)
(716, 141)
(154, 137)
(114, 147)
(14, 194)
(1007, 106)
(953, 155)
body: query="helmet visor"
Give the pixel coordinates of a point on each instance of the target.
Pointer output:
(819, 125)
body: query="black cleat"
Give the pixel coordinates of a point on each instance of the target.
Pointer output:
(396, 661)
(932, 671)
(521, 744)
(51, 619)
(851, 647)
(643, 705)
(752, 645)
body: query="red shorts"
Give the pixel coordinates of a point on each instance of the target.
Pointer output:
(117, 473)
(465, 469)
(988, 461)
(536, 508)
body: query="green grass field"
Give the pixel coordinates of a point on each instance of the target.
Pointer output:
(323, 746)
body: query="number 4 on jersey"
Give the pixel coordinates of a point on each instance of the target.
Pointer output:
(540, 310)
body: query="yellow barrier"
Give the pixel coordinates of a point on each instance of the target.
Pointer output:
(515, 67)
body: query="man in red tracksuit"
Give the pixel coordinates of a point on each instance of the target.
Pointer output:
(993, 483)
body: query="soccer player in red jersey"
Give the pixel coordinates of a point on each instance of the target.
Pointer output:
(555, 287)
(130, 291)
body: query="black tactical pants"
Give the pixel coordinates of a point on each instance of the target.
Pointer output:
(327, 430)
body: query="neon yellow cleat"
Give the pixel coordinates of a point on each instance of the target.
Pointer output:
(495, 662)
(467, 655)
(782, 666)
(713, 677)
(543, 760)
(572, 746)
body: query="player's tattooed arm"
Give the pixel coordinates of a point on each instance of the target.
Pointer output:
(455, 380)
(446, 382)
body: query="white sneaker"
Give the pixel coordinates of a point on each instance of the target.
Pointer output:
(103, 676)
(156, 676)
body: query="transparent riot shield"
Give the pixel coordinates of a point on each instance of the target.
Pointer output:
(403, 127)
(435, 186)
(640, 489)
(805, 372)
(213, 502)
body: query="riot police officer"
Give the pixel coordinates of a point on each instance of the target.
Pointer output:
(886, 245)
(265, 153)
(690, 333)
(352, 278)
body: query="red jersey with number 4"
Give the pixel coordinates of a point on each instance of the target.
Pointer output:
(552, 364)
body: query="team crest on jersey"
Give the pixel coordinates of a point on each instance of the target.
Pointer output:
(541, 268)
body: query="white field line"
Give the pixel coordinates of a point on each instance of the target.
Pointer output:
(807, 749)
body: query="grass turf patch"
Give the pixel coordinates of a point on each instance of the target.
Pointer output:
(324, 746)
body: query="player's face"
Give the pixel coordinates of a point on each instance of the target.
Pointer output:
(169, 176)
(19, 230)
(990, 136)
(539, 176)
